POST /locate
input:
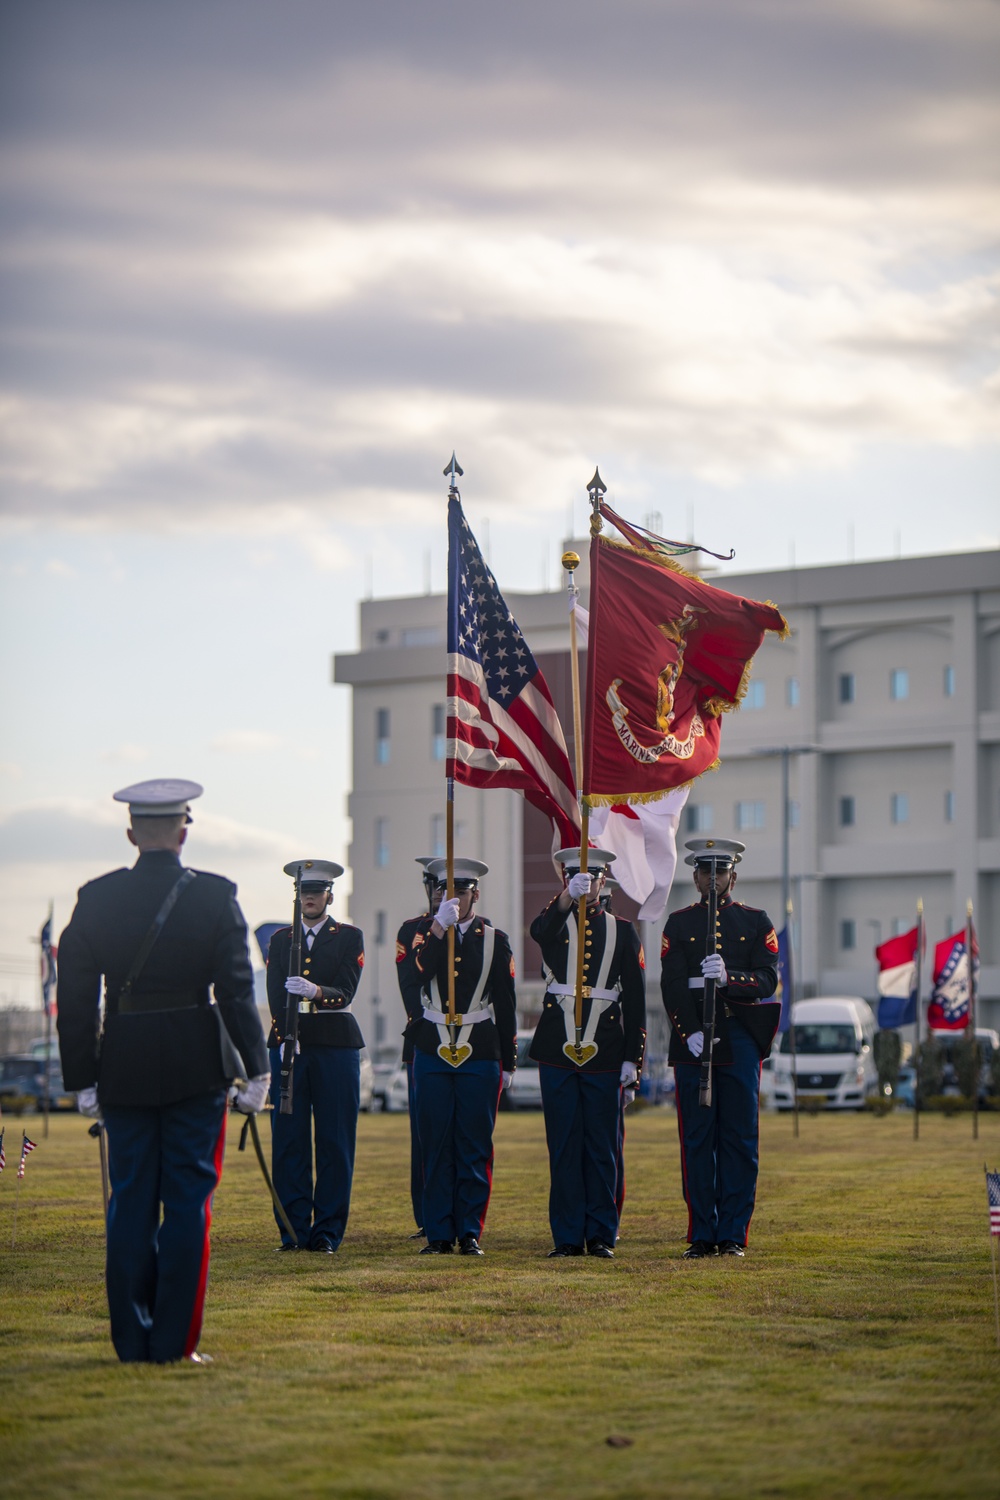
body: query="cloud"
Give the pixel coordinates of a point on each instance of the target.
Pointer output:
(246, 742)
(75, 831)
(128, 753)
(658, 232)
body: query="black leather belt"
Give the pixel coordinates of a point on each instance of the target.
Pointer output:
(158, 1000)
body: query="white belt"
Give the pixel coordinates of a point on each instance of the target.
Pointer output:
(317, 1008)
(467, 1018)
(588, 992)
(697, 984)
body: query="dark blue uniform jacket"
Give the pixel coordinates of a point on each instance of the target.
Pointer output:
(621, 1030)
(749, 948)
(334, 963)
(175, 1043)
(427, 961)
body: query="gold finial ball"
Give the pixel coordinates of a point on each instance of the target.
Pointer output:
(570, 561)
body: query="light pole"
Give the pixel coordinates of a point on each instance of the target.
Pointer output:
(785, 752)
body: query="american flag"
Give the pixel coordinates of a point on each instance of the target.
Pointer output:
(993, 1198)
(3, 1156)
(503, 729)
(26, 1146)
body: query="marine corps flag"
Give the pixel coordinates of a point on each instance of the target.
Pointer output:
(668, 655)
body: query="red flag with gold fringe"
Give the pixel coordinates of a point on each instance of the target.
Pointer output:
(668, 655)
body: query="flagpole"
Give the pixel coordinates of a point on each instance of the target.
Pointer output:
(44, 970)
(791, 1015)
(918, 980)
(571, 561)
(972, 1020)
(451, 473)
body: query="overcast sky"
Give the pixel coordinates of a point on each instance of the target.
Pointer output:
(265, 264)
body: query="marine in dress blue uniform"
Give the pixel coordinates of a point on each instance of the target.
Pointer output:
(458, 1071)
(409, 938)
(326, 1077)
(582, 1092)
(719, 1143)
(160, 1067)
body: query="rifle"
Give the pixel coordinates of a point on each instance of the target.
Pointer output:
(705, 1080)
(290, 1035)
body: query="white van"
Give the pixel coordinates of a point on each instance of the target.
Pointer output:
(834, 1054)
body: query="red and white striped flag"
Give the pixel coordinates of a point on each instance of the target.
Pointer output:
(993, 1197)
(26, 1146)
(503, 729)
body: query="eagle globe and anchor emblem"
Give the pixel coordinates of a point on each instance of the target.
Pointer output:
(677, 633)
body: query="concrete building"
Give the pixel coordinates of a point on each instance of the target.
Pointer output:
(882, 708)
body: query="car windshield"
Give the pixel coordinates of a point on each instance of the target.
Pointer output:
(822, 1037)
(12, 1069)
(523, 1060)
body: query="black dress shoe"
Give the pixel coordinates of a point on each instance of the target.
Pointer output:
(601, 1249)
(563, 1252)
(731, 1247)
(469, 1245)
(279, 1248)
(323, 1245)
(437, 1247)
(700, 1250)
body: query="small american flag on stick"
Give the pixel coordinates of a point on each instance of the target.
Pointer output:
(26, 1146)
(3, 1156)
(993, 1198)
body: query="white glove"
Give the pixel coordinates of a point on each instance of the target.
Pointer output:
(251, 1097)
(713, 968)
(447, 913)
(628, 1097)
(508, 1079)
(696, 1043)
(86, 1103)
(630, 1075)
(296, 985)
(579, 885)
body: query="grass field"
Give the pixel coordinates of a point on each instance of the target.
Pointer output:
(851, 1354)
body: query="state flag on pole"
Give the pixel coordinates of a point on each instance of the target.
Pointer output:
(949, 1007)
(993, 1198)
(897, 979)
(503, 729)
(48, 963)
(643, 836)
(668, 655)
(784, 990)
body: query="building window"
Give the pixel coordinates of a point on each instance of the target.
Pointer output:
(437, 835)
(381, 843)
(382, 736)
(698, 817)
(792, 692)
(847, 812)
(849, 933)
(899, 685)
(749, 816)
(899, 807)
(899, 925)
(380, 924)
(794, 813)
(845, 687)
(949, 682)
(755, 695)
(949, 807)
(437, 731)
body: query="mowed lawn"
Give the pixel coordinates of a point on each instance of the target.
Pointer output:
(852, 1353)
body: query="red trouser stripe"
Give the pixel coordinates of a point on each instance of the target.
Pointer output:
(198, 1311)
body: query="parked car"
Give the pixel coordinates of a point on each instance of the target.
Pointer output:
(834, 1054)
(21, 1081)
(656, 1085)
(367, 1082)
(526, 1090)
(905, 1089)
(989, 1045)
(391, 1092)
